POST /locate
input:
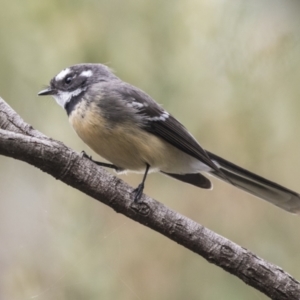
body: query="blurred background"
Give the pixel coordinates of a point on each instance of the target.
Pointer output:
(229, 70)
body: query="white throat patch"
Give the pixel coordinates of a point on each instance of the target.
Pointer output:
(62, 98)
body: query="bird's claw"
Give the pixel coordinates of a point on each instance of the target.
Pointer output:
(138, 192)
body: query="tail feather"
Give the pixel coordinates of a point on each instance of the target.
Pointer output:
(257, 185)
(196, 179)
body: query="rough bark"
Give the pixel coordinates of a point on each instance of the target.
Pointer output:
(20, 141)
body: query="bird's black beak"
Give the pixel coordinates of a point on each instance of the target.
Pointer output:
(47, 91)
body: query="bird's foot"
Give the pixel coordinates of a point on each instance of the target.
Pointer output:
(138, 192)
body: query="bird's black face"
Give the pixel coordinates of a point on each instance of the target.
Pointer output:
(75, 80)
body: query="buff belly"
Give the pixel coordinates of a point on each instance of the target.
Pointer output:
(129, 147)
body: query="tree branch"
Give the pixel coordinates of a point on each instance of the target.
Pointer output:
(20, 141)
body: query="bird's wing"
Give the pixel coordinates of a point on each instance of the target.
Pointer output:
(177, 135)
(159, 122)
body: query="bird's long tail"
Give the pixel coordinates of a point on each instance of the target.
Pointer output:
(257, 185)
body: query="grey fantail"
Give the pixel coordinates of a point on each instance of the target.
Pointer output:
(127, 127)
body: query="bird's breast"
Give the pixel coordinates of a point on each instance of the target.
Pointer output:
(122, 144)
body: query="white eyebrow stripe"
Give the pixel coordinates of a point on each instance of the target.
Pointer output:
(87, 73)
(62, 74)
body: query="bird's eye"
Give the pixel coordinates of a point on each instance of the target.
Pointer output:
(68, 79)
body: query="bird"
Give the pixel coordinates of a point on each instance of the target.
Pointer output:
(128, 128)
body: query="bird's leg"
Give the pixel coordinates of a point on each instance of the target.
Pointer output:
(102, 164)
(139, 190)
